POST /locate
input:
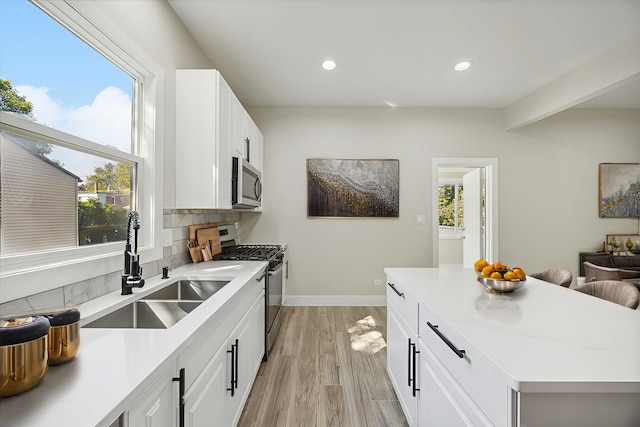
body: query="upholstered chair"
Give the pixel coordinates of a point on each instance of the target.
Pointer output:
(596, 272)
(555, 276)
(612, 290)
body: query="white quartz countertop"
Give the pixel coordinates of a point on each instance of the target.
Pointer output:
(114, 366)
(540, 338)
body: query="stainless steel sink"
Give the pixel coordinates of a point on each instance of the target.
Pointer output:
(147, 314)
(161, 309)
(193, 290)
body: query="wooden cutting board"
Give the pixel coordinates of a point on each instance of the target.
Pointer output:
(195, 227)
(210, 235)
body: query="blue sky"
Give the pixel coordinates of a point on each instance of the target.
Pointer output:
(72, 87)
(35, 50)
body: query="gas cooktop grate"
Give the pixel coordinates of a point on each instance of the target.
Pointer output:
(249, 253)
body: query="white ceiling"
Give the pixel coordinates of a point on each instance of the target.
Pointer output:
(402, 52)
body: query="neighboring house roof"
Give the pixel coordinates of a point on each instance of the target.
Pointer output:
(15, 139)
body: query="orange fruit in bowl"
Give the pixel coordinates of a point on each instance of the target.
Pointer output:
(510, 275)
(498, 266)
(486, 272)
(520, 274)
(480, 264)
(496, 275)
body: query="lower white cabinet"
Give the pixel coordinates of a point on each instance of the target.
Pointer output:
(258, 310)
(218, 394)
(206, 401)
(241, 369)
(442, 402)
(437, 384)
(219, 389)
(401, 347)
(210, 382)
(156, 407)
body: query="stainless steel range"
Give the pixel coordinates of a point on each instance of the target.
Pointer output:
(274, 254)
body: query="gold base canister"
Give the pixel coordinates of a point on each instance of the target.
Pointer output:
(64, 342)
(23, 366)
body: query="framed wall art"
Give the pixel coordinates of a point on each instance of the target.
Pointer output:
(619, 190)
(353, 188)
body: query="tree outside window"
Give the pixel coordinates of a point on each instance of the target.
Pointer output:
(451, 207)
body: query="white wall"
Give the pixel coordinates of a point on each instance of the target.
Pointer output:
(548, 187)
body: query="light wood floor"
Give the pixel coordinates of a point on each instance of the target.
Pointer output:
(327, 368)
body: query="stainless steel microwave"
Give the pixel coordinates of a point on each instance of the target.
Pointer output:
(246, 185)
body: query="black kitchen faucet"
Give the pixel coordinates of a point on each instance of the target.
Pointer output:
(132, 275)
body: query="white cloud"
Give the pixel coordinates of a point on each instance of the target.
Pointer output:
(107, 121)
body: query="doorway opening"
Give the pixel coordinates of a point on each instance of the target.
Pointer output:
(463, 235)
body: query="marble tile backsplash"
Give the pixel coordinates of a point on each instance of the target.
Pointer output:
(174, 255)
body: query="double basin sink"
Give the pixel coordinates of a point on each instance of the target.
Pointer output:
(161, 309)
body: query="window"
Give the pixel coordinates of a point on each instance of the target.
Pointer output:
(36, 165)
(80, 136)
(451, 208)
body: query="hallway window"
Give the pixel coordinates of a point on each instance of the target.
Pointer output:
(451, 207)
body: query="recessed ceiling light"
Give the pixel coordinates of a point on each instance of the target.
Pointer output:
(462, 65)
(329, 65)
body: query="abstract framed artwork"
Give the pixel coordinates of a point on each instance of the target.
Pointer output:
(353, 188)
(619, 190)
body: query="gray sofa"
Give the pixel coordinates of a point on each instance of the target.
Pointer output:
(606, 259)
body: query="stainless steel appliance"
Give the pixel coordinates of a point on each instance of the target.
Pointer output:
(246, 185)
(274, 254)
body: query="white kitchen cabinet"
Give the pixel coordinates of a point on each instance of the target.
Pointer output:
(508, 360)
(258, 310)
(157, 406)
(255, 144)
(239, 128)
(442, 402)
(248, 142)
(212, 126)
(206, 400)
(241, 370)
(204, 131)
(221, 363)
(221, 390)
(402, 341)
(488, 400)
(435, 381)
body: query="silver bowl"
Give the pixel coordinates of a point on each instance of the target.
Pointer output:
(501, 286)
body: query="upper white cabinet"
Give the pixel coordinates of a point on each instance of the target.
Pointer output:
(253, 143)
(248, 140)
(211, 127)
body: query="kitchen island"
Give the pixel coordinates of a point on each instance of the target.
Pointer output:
(117, 368)
(542, 355)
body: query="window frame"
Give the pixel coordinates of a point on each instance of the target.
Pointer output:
(29, 274)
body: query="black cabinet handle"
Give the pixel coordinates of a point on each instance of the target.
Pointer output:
(232, 388)
(400, 294)
(235, 377)
(409, 363)
(434, 328)
(181, 380)
(415, 363)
